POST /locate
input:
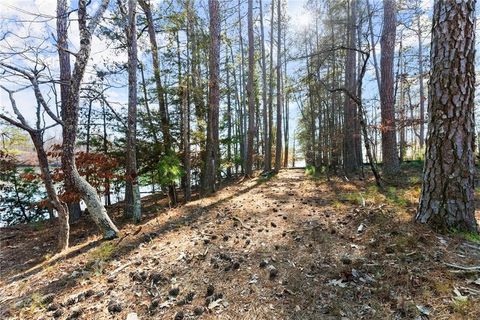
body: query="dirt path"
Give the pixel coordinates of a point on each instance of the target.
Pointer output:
(286, 248)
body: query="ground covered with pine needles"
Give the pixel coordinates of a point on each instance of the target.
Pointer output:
(291, 246)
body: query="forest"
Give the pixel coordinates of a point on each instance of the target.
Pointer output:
(239, 159)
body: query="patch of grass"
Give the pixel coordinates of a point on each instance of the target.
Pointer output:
(473, 237)
(353, 197)
(412, 165)
(315, 172)
(461, 306)
(414, 180)
(36, 301)
(98, 257)
(469, 236)
(103, 252)
(337, 204)
(406, 241)
(442, 287)
(395, 196)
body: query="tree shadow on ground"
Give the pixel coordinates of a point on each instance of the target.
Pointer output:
(130, 243)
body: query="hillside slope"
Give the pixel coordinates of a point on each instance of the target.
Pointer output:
(289, 247)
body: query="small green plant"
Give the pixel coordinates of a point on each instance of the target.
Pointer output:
(469, 236)
(395, 197)
(265, 177)
(35, 302)
(99, 256)
(310, 170)
(460, 305)
(103, 252)
(169, 170)
(473, 237)
(354, 197)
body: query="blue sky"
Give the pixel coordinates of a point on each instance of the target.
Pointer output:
(16, 14)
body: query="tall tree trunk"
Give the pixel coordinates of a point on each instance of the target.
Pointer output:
(357, 135)
(132, 204)
(333, 122)
(403, 118)
(211, 156)
(350, 161)
(187, 165)
(65, 77)
(163, 109)
(286, 107)
(420, 81)
(70, 109)
(243, 85)
(387, 43)
(285, 135)
(278, 147)
(89, 125)
(270, 92)
(373, 45)
(229, 119)
(447, 197)
(108, 200)
(250, 93)
(267, 166)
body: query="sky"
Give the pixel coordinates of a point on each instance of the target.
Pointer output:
(16, 22)
(20, 19)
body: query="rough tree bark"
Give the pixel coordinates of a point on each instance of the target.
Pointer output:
(132, 203)
(447, 197)
(420, 81)
(350, 161)
(187, 165)
(268, 155)
(70, 109)
(387, 43)
(285, 91)
(211, 155)
(267, 166)
(250, 93)
(229, 118)
(65, 75)
(278, 144)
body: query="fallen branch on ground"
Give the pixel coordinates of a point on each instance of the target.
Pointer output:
(463, 268)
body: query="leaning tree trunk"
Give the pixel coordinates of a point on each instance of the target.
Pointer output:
(211, 155)
(70, 112)
(447, 198)
(132, 203)
(62, 209)
(37, 138)
(387, 43)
